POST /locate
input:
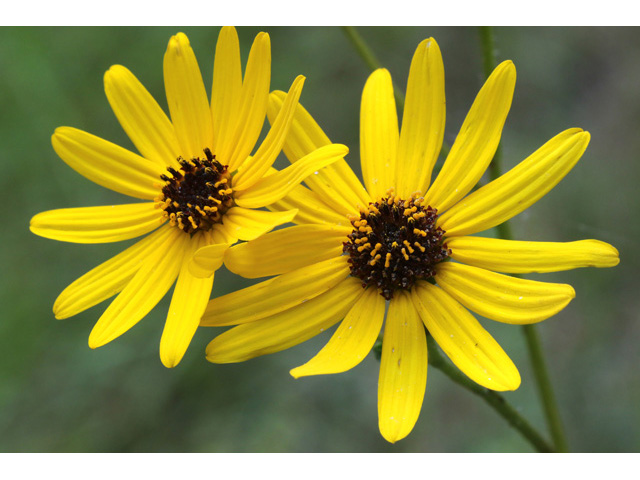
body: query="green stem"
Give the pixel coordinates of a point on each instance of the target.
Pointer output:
(370, 59)
(436, 360)
(532, 338)
(544, 387)
(494, 399)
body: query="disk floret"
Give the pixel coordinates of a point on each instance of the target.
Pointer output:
(394, 243)
(196, 196)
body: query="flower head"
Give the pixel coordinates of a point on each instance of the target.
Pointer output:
(402, 249)
(201, 185)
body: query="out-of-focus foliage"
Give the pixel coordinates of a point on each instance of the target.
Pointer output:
(58, 395)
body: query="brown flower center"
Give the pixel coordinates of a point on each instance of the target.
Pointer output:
(196, 196)
(395, 243)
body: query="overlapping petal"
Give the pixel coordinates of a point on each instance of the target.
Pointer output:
(111, 223)
(462, 338)
(189, 300)
(353, 339)
(276, 295)
(187, 98)
(423, 120)
(510, 256)
(336, 183)
(141, 117)
(107, 164)
(143, 292)
(477, 140)
(247, 224)
(255, 168)
(207, 260)
(286, 250)
(108, 278)
(501, 297)
(403, 369)
(378, 134)
(273, 187)
(286, 328)
(517, 189)
(311, 207)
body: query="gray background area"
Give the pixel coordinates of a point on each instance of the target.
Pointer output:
(58, 395)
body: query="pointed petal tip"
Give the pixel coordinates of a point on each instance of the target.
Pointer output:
(58, 132)
(298, 82)
(381, 71)
(507, 64)
(177, 42)
(427, 44)
(228, 29)
(94, 342)
(169, 359)
(59, 312)
(210, 353)
(108, 75)
(390, 436)
(509, 381)
(263, 37)
(511, 384)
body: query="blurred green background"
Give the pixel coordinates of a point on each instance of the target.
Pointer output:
(58, 395)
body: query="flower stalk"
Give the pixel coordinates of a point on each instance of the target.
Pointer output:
(494, 399)
(534, 346)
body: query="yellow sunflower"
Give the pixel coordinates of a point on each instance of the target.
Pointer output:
(200, 185)
(408, 242)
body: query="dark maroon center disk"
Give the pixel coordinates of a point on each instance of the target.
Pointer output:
(395, 243)
(196, 196)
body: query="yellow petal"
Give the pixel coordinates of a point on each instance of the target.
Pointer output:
(227, 87)
(477, 140)
(275, 295)
(188, 302)
(97, 224)
(107, 164)
(511, 256)
(273, 187)
(336, 184)
(187, 98)
(501, 297)
(219, 234)
(254, 168)
(286, 250)
(423, 120)
(463, 340)
(403, 369)
(207, 260)
(141, 117)
(287, 328)
(234, 149)
(247, 224)
(143, 292)
(353, 339)
(517, 189)
(311, 208)
(108, 278)
(378, 134)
